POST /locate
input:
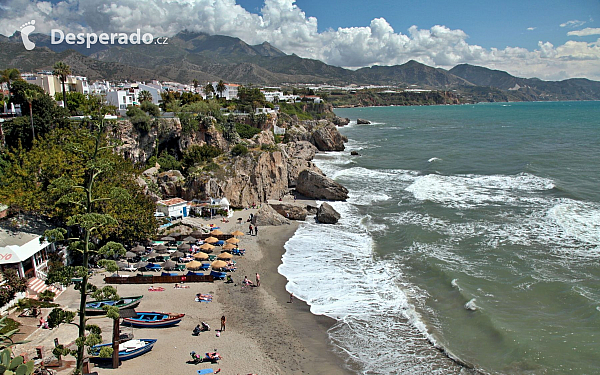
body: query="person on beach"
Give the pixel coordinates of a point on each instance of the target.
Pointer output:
(257, 279)
(223, 321)
(250, 228)
(246, 281)
(291, 297)
(256, 230)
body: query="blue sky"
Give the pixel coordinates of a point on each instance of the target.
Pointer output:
(528, 38)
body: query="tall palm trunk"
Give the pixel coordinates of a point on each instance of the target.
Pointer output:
(31, 117)
(64, 93)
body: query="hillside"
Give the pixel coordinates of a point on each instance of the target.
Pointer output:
(204, 57)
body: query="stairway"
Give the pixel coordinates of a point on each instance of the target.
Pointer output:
(36, 286)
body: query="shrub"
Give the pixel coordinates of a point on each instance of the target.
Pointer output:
(47, 295)
(196, 154)
(238, 150)
(246, 131)
(269, 148)
(168, 162)
(150, 108)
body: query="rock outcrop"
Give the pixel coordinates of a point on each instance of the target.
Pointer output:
(323, 134)
(361, 121)
(291, 211)
(314, 185)
(327, 214)
(267, 215)
(340, 121)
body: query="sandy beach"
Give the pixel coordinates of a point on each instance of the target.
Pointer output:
(265, 334)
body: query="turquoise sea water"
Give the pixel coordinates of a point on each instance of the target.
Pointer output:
(471, 232)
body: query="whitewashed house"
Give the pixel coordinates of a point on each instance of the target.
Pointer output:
(175, 208)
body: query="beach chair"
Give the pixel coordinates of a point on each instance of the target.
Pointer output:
(180, 267)
(212, 257)
(205, 266)
(218, 275)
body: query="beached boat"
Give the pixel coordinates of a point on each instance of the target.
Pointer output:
(127, 350)
(123, 303)
(153, 319)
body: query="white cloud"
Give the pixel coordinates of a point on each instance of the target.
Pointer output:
(531, 28)
(585, 32)
(283, 24)
(573, 23)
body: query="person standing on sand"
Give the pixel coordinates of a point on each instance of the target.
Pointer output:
(250, 228)
(257, 279)
(256, 230)
(291, 297)
(223, 321)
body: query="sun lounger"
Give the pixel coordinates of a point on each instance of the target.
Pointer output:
(218, 275)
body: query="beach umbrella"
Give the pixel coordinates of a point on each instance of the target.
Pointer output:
(201, 256)
(139, 265)
(237, 233)
(216, 232)
(189, 239)
(139, 249)
(167, 238)
(211, 240)
(177, 254)
(224, 256)
(153, 254)
(229, 246)
(218, 264)
(130, 255)
(197, 233)
(207, 247)
(194, 264)
(121, 265)
(160, 248)
(169, 264)
(183, 247)
(233, 240)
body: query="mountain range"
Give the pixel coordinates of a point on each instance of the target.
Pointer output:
(192, 55)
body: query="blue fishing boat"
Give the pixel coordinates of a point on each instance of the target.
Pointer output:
(153, 319)
(123, 303)
(127, 350)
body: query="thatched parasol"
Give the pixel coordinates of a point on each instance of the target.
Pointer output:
(229, 246)
(237, 233)
(153, 254)
(211, 239)
(193, 265)
(167, 238)
(218, 264)
(139, 265)
(216, 232)
(160, 248)
(183, 247)
(201, 256)
(197, 233)
(207, 247)
(189, 239)
(224, 256)
(139, 249)
(130, 255)
(169, 264)
(232, 240)
(177, 254)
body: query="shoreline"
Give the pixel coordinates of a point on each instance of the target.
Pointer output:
(264, 335)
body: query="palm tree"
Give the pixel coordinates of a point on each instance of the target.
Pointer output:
(195, 83)
(209, 89)
(30, 95)
(62, 70)
(144, 96)
(221, 88)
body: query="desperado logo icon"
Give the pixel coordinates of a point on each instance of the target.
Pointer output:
(26, 29)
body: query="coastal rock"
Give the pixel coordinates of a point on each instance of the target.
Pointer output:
(267, 215)
(314, 185)
(328, 138)
(169, 182)
(361, 121)
(300, 149)
(327, 214)
(340, 121)
(291, 211)
(354, 153)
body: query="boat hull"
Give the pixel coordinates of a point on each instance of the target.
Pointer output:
(127, 302)
(153, 319)
(124, 355)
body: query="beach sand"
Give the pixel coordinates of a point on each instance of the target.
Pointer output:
(265, 334)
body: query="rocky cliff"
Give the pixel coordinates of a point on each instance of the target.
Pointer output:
(266, 172)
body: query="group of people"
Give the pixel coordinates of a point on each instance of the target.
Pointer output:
(253, 230)
(247, 281)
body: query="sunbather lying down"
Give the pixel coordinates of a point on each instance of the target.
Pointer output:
(214, 356)
(203, 297)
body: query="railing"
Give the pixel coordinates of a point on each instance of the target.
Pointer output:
(151, 279)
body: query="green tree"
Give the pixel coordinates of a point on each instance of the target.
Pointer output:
(150, 108)
(209, 90)
(30, 95)
(199, 154)
(88, 218)
(62, 71)
(144, 96)
(8, 76)
(221, 88)
(195, 83)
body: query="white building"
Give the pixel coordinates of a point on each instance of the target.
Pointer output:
(175, 208)
(278, 96)
(23, 252)
(121, 99)
(51, 83)
(231, 91)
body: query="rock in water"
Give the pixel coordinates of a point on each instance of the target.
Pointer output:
(314, 185)
(327, 214)
(267, 215)
(291, 211)
(361, 121)
(354, 153)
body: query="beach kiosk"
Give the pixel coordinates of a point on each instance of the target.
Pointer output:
(175, 208)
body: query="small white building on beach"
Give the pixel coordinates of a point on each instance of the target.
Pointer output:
(25, 253)
(175, 208)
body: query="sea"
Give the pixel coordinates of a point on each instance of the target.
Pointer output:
(470, 242)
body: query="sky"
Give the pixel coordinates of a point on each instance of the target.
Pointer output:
(547, 39)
